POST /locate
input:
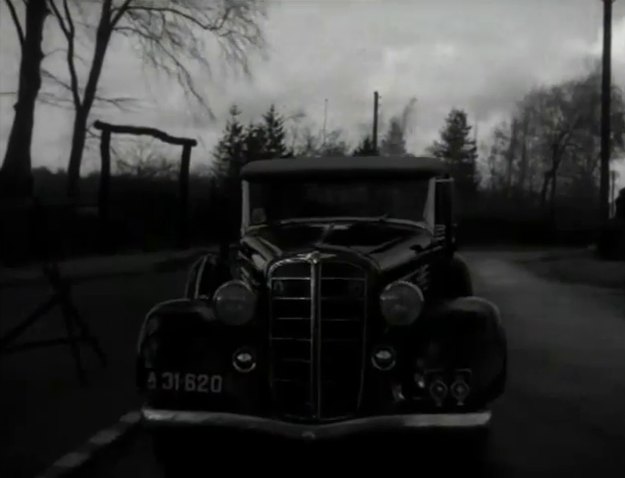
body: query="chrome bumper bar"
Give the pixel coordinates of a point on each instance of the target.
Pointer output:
(155, 418)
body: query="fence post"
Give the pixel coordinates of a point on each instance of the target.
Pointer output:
(183, 214)
(105, 181)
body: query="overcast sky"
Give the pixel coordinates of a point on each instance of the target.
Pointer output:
(480, 55)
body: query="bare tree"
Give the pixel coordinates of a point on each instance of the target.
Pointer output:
(553, 149)
(170, 34)
(15, 176)
(142, 161)
(313, 145)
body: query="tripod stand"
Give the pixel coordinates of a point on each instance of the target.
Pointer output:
(77, 330)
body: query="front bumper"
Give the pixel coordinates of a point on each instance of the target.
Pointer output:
(159, 419)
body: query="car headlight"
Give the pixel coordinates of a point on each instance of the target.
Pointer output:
(401, 303)
(235, 303)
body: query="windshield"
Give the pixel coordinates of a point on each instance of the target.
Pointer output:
(390, 199)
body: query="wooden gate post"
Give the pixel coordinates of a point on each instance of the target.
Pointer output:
(184, 196)
(105, 181)
(105, 174)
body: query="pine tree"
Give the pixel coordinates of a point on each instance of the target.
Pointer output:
(459, 150)
(229, 153)
(266, 139)
(255, 142)
(274, 135)
(394, 143)
(365, 148)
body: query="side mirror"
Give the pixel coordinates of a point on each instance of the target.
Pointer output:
(444, 219)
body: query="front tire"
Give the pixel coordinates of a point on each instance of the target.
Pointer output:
(459, 282)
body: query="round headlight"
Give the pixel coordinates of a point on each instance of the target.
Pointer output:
(401, 303)
(234, 303)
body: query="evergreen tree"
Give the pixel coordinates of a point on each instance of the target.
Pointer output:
(459, 150)
(255, 142)
(394, 143)
(267, 139)
(274, 135)
(365, 148)
(229, 153)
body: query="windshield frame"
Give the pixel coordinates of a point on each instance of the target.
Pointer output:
(428, 216)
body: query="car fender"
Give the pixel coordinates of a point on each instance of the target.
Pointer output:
(459, 281)
(205, 275)
(471, 332)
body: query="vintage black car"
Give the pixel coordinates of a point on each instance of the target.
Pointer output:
(343, 307)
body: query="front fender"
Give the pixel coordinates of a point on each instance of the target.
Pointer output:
(458, 282)
(184, 338)
(205, 275)
(466, 333)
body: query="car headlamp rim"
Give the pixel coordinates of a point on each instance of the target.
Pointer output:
(220, 290)
(231, 283)
(403, 283)
(411, 285)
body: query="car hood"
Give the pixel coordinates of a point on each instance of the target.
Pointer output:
(384, 245)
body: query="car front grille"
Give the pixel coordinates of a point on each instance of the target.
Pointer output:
(317, 334)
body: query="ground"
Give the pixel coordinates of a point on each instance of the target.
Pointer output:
(562, 414)
(577, 266)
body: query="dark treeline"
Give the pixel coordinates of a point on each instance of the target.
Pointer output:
(544, 160)
(535, 180)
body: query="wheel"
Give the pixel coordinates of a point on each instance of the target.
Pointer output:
(460, 283)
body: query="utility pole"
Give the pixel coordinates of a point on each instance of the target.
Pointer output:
(376, 99)
(325, 120)
(605, 112)
(612, 192)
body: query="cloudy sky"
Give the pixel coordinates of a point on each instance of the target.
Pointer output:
(480, 55)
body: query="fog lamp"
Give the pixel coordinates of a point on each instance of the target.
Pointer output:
(460, 390)
(244, 360)
(383, 358)
(438, 391)
(419, 379)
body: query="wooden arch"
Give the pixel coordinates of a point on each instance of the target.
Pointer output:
(105, 174)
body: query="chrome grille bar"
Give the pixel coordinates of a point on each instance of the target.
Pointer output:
(331, 347)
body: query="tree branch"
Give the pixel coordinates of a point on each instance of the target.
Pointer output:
(120, 11)
(71, 62)
(178, 13)
(67, 27)
(16, 22)
(118, 102)
(59, 18)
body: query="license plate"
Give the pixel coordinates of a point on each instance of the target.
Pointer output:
(185, 382)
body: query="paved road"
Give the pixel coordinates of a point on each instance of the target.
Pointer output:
(563, 413)
(44, 413)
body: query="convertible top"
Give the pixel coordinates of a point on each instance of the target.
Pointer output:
(378, 167)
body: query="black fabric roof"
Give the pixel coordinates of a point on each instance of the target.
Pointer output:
(345, 167)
